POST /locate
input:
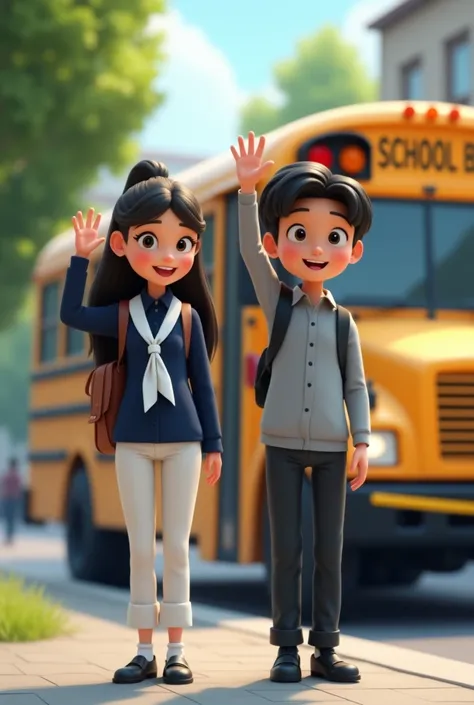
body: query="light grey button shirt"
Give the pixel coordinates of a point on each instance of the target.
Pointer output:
(305, 407)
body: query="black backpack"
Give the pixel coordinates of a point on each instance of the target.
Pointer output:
(280, 326)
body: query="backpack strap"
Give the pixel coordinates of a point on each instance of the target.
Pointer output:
(186, 318)
(281, 322)
(343, 324)
(122, 329)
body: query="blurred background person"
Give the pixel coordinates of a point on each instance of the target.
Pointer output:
(11, 492)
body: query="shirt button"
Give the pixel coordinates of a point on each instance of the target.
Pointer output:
(313, 324)
(309, 384)
(306, 409)
(310, 363)
(311, 345)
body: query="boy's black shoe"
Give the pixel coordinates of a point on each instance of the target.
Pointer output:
(330, 667)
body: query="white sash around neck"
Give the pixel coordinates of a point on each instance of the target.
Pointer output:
(156, 378)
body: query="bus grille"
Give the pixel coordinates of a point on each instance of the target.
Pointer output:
(456, 414)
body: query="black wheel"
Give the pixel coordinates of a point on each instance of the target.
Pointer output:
(350, 563)
(94, 555)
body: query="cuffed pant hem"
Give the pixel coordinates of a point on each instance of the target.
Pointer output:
(323, 640)
(178, 615)
(143, 616)
(286, 637)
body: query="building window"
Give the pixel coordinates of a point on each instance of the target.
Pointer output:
(75, 340)
(207, 251)
(458, 63)
(412, 81)
(49, 322)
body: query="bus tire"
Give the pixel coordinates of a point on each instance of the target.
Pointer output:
(350, 562)
(94, 555)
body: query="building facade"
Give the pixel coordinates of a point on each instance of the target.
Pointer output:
(427, 51)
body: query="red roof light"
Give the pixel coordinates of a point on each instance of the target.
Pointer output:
(454, 115)
(409, 112)
(322, 155)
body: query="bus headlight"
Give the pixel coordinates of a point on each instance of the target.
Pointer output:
(383, 448)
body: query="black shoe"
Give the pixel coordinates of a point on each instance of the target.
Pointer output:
(330, 667)
(136, 671)
(286, 668)
(177, 671)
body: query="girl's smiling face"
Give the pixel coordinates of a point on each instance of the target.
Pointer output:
(315, 241)
(161, 252)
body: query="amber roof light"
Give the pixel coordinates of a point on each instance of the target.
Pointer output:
(431, 114)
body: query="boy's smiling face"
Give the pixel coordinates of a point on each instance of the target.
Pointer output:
(315, 240)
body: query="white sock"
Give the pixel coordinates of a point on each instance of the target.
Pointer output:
(317, 652)
(145, 650)
(176, 649)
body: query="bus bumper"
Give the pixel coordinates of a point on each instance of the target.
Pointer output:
(411, 516)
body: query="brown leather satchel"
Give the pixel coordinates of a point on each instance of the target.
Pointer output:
(106, 384)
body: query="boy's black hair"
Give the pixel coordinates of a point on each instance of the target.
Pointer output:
(312, 180)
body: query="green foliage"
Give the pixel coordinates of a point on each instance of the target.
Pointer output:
(76, 81)
(27, 615)
(325, 73)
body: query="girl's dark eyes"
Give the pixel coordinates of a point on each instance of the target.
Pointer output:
(185, 245)
(147, 241)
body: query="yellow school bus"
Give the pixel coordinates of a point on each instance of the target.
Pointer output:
(413, 298)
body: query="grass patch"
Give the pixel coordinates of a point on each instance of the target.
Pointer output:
(26, 614)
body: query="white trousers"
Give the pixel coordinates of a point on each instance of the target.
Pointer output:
(180, 472)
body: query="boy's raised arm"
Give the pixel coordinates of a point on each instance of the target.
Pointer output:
(250, 170)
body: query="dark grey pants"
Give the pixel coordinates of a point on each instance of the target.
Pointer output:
(284, 476)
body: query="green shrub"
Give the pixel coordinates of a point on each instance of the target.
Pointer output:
(26, 614)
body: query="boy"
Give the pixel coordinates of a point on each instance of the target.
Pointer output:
(314, 222)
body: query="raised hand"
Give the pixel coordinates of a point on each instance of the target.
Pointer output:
(250, 168)
(87, 235)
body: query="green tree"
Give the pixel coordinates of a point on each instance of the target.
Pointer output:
(76, 83)
(325, 73)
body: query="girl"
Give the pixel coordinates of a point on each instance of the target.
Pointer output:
(151, 258)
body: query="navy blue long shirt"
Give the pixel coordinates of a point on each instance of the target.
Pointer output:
(194, 416)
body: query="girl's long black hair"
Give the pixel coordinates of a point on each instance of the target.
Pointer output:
(149, 193)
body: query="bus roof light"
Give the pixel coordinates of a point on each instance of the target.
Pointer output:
(454, 115)
(321, 154)
(409, 112)
(352, 159)
(431, 114)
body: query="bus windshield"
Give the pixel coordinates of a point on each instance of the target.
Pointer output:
(413, 247)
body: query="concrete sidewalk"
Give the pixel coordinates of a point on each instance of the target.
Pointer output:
(230, 665)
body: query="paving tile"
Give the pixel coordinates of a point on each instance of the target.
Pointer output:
(53, 657)
(20, 699)
(111, 694)
(379, 697)
(21, 683)
(9, 669)
(443, 695)
(306, 695)
(47, 669)
(391, 680)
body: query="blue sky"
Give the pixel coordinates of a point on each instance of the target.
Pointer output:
(254, 34)
(220, 52)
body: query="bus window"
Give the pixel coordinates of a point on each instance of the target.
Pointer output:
(208, 249)
(453, 253)
(49, 322)
(392, 269)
